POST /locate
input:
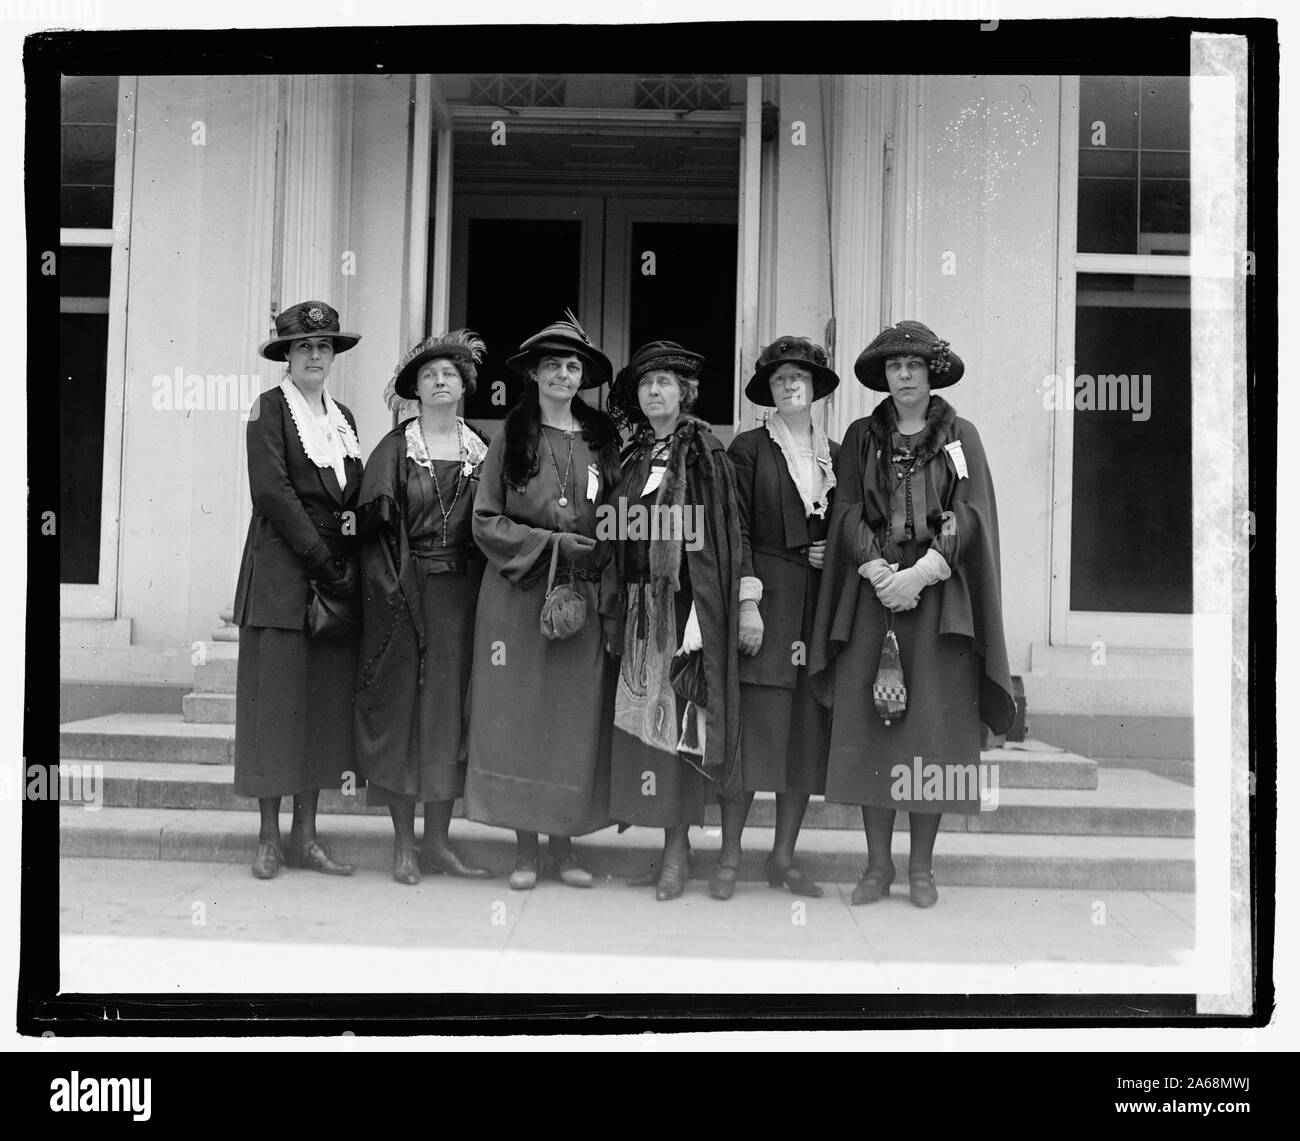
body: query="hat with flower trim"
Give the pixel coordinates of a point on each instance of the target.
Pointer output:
(306, 319)
(908, 339)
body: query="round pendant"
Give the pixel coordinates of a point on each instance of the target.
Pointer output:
(564, 501)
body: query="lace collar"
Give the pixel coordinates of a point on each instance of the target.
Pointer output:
(310, 434)
(815, 494)
(475, 449)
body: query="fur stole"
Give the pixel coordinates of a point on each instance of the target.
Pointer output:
(523, 431)
(939, 417)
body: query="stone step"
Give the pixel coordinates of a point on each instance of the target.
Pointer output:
(156, 737)
(1107, 692)
(216, 674)
(983, 859)
(209, 708)
(1117, 662)
(1125, 803)
(1117, 735)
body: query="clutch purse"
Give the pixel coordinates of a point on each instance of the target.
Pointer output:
(688, 679)
(564, 612)
(332, 618)
(889, 689)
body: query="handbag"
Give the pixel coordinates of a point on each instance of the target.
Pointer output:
(688, 679)
(889, 689)
(564, 611)
(332, 618)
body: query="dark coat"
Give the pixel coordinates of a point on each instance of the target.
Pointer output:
(301, 518)
(778, 534)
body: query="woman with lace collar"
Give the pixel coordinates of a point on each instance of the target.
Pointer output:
(912, 584)
(293, 712)
(785, 484)
(421, 573)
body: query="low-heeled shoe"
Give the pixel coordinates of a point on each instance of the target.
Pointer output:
(873, 884)
(672, 882)
(318, 858)
(722, 883)
(267, 861)
(449, 863)
(921, 889)
(524, 877)
(406, 869)
(792, 877)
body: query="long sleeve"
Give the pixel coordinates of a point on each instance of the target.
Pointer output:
(272, 491)
(741, 456)
(516, 550)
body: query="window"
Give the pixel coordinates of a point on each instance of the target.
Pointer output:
(88, 128)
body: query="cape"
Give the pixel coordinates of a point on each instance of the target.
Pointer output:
(391, 662)
(970, 600)
(698, 473)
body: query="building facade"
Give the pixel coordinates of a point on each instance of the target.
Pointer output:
(1038, 223)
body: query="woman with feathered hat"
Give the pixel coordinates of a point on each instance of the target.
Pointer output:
(679, 583)
(293, 698)
(538, 745)
(911, 562)
(785, 484)
(420, 574)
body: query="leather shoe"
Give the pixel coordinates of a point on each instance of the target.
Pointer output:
(405, 869)
(524, 877)
(266, 864)
(317, 857)
(650, 876)
(921, 889)
(568, 871)
(449, 863)
(672, 882)
(792, 877)
(722, 883)
(873, 884)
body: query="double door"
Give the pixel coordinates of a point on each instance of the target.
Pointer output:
(631, 269)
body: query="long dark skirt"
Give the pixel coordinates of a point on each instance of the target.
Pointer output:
(437, 772)
(649, 787)
(293, 712)
(927, 760)
(784, 738)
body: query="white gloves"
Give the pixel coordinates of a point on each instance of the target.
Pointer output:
(901, 590)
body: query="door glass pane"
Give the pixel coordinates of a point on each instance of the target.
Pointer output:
(88, 150)
(522, 274)
(690, 298)
(1131, 518)
(83, 349)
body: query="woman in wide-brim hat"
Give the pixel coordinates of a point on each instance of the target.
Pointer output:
(293, 712)
(913, 547)
(673, 589)
(785, 485)
(420, 574)
(538, 723)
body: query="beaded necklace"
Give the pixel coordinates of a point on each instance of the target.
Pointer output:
(446, 510)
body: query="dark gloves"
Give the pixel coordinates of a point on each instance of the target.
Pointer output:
(339, 578)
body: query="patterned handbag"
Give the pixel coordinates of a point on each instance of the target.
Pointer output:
(889, 689)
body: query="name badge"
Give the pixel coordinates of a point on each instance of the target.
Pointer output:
(593, 482)
(656, 478)
(958, 458)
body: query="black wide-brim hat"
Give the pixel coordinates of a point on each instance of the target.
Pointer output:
(567, 338)
(306, 319)
(667, 355)
(905, 339)
(796, 351)
(462, 347)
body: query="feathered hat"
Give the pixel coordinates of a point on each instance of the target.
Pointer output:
(566, 337)
(463, 347)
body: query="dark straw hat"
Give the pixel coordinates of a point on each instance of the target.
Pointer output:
(306, 319)
(461, 346)
(567, 338)
(790, 350)
(906, 339)
(667, 355)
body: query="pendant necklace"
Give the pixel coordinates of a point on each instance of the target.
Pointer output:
(568, 467)
(446, 511)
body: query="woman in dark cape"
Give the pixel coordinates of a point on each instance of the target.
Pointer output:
(421, 575)
(913, 548)
(674, 586)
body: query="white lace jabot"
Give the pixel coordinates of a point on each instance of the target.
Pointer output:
(475, 449)
(326, 439)
(813, 480)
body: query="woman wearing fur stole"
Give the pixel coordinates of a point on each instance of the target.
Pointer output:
(680, 582)
(539, 719)
(912, 556)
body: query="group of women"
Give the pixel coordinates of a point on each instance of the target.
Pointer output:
(607, 617)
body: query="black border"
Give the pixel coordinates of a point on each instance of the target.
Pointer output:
(1097, 46)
